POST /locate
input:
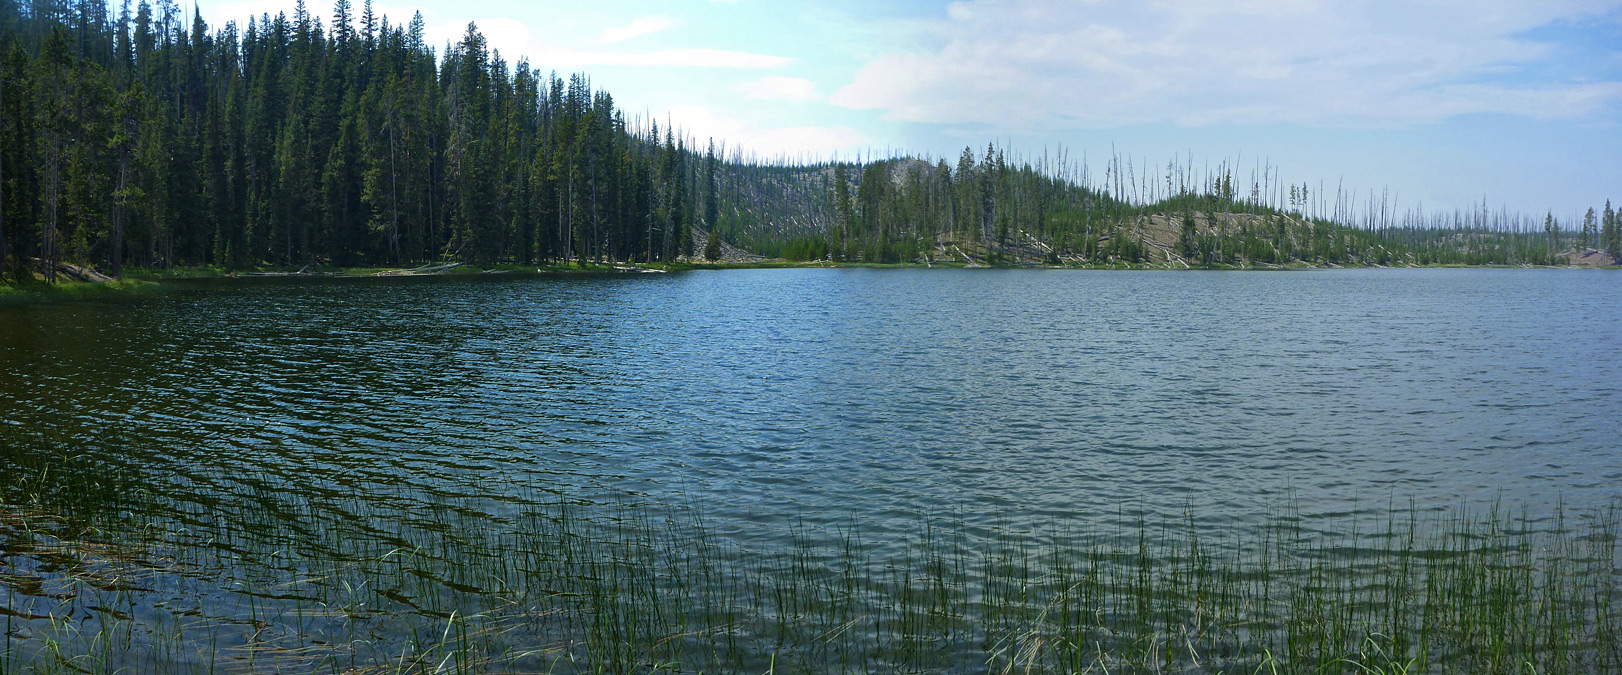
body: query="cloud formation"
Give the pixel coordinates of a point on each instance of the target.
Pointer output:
(513, 38)
(1042, 64)
(700, 122)
(645, 25)
(674, 58)
(779, 88)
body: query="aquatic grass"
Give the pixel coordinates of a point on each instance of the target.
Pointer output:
(12, 293)
(419, 579)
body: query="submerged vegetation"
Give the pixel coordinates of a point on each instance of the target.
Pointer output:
(144, 141)
(102, 576)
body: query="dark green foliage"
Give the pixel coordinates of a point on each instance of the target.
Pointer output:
(1187, 243)
(1047, 210)
(712, 246)
(712, 210)
(161, 142)
(149, 140)
(1611, 232)
(1590, 232)
(1552, 227)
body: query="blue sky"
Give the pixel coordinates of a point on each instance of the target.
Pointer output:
(1443, 102)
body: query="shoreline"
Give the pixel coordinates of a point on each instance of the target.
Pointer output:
(618, 268)
(147, 280)
(72, 289)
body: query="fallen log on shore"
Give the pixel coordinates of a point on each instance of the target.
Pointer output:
(425, 269)
(74, 271)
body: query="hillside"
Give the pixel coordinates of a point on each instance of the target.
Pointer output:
(990, 211)
(357, 144)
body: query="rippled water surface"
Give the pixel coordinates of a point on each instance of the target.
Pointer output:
(278, 430)
(771, 393)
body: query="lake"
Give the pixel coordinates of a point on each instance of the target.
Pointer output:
(328, 420)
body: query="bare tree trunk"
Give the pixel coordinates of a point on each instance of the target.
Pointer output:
(2, 186)
(47, 234)
(432, 216)
(120, 205)
(394, 201)
(596, 232)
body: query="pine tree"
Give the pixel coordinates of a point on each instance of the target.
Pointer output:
(127, 191)
(1188, 240)
(681, 206)
(843, 212)
(1552, 228)
(712, 208)
(6, 141)
(53, 73)
(1611, 238)
(967, 217)
(470, 183)
(147, 140)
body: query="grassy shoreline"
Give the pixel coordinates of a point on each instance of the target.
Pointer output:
(613, 268)
(145, 280)
(72, 289)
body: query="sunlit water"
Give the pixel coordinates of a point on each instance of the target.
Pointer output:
(779, 397)
(813, 392)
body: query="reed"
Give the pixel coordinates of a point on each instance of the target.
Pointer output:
(421, 579)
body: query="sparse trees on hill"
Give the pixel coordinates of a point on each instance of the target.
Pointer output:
(150, 140)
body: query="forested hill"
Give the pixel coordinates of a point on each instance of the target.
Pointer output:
(989, 209)
(142, 136)
(152, 139)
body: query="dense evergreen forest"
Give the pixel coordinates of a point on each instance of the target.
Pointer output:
(142, 139)
(136, 136)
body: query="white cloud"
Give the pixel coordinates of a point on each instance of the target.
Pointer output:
(779, 88)
(763, 139)
(645, 25)
(1042, 64)
(509, 36)
(688, 58)
(514, 38)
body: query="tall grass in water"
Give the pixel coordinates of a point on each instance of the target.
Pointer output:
(416, 580)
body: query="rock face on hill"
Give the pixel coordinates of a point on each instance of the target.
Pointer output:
(1588, 257)
(729, 254)
(1157, 233)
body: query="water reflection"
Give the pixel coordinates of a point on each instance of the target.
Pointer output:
(293, 421)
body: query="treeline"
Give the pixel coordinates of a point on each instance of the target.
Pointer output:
(1051, 209)
(1047, 209)
(1482, 236)
(137, 137)
(140, 139)
(902, 208)
(905, 209)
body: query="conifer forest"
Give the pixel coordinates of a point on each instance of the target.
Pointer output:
(139, 136)
(342, 340)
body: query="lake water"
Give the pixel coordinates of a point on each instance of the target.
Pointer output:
(786, 401)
